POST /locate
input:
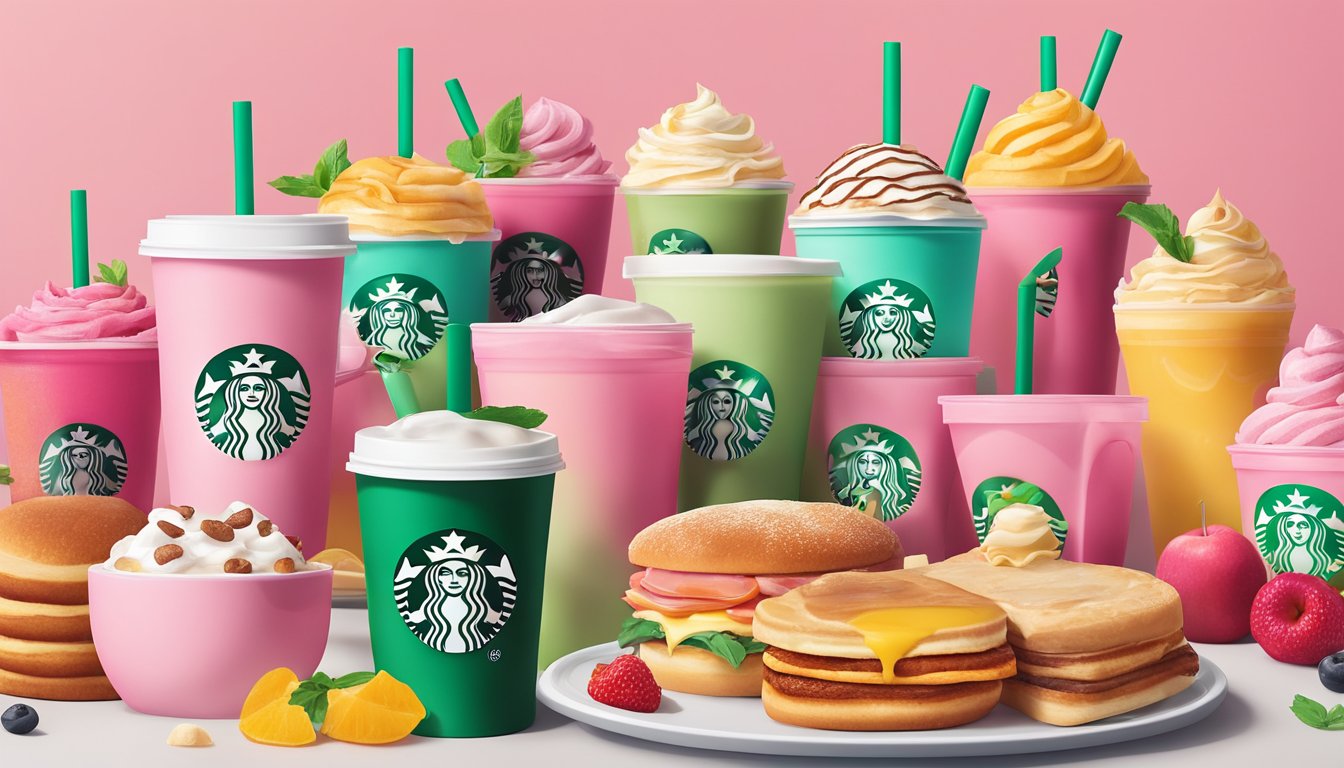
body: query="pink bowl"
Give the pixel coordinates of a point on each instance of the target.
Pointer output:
(192, 645)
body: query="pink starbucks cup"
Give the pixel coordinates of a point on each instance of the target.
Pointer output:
(553, 243)
(1078, 450)
(248, 312)
(877, 427)
(82, 418)
(615, 395)
(1076, 350)
(1292, 505)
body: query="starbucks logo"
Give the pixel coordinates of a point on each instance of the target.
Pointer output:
(533, 272)
(1300, 529)
(402, 314)
(729, 410)
(873, 468)
(82, 460)
(674, 241)
(1047, 290)
(887, 320)
(455, 590)
(998, 492)
(252, 401)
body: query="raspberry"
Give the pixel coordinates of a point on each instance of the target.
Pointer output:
(625, 683)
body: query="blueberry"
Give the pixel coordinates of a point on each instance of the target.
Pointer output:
(19, 719)
(1331, 670)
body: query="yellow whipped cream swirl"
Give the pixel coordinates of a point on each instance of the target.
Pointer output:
(1020, 534)
(1053, 140)
(1233, 264)
(701, 144)
(396, 196)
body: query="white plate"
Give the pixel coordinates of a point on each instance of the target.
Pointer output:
(740, 725)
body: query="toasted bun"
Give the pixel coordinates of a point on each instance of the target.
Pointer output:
(692, 670)
(944, 706)
(1102, 665)
(765, 538)
(1061, 708)
(32, 657)
(47, 544)
(44, 621)
(94, 688)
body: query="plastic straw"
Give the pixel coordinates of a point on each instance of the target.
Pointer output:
(243, 203)
(79, 238)
(1101, 67)
(964, 142)
(401, 392)
(1049, 69)
(1026, 320)
(405, 101)
(463, 107)
(457, 342)
(891, 92)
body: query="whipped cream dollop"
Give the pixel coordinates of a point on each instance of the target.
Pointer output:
(1020, 534)
(886, 178)
(591, 309)
(395, 196)
(561, 140)
(181, 540)
(92, 312)
(1307, 407)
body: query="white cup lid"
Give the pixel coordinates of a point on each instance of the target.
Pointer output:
(307, 236)
(727, 265)
(442, 445)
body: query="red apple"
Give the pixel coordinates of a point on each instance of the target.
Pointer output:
(1298, 619)
(1217, 573)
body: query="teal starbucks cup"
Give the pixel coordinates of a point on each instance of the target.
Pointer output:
(455, 516)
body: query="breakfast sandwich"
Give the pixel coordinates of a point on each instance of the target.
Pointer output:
(892, 651)
(704, 571)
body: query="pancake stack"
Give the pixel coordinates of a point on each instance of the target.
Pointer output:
(890, 651)
(46, 547)
(1091, 641)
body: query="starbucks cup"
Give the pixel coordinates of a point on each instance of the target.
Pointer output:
(248, 322)
(908, 286)
(1291, 506)
(455, 514)
(747, 217)
(1079, 450)
(614, 394)
(758, 324)
(878, 437)
(1075, 346)
(402, 292)
(555, 234)
(82, 418)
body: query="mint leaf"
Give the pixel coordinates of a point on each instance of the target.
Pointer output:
(5, 477)
(517, 415)
(298, 186)
(465, 154)
(114, 273)
(334, 160)
(1310, 712)
(1158, 221)
(505, 165)
(635, 631)
(505, 128)
(352, 679)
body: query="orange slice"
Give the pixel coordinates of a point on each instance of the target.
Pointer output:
(276, 684)
(278, 724)
(380, 711)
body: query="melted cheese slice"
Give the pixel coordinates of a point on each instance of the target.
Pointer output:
(678, 629)
(891, 633)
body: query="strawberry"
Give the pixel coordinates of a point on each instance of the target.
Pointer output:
(625, 683)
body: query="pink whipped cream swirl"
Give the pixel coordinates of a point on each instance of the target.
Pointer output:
(1307, 408)
(562, 141)
(97, 311)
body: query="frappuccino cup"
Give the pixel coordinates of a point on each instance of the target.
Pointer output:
(743, 218)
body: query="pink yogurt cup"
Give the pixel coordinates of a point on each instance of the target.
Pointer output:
(1268, 476)
(192, 645)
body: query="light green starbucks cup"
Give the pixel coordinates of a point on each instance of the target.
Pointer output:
(758, 324)
(744, 218)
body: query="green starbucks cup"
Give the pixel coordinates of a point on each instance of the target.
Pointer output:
(757, 346)
(455, 515)
(402, 292)
(909, 284)
(747, 217)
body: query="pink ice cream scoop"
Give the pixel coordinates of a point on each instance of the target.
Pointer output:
(562, 141)
(1307, 408)
(97, 311)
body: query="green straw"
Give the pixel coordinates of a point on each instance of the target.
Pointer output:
(397, 382)
(79, 237)
(243, 203)
(463, 107)
(964, 142)
(1026, 320)
(891, 93)
(457, 342)
(405, 101)
(1101, 67)
(1049, 69)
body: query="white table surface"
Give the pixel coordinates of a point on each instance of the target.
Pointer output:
(1253, 727)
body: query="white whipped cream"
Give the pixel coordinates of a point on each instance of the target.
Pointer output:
(182, 540)
(591, 309)
(1020, 534)
(442, 445)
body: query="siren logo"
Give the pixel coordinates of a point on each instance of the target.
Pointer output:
(1300, 529)
(82, 460)
(677, 241)
(402, 314)
(995, 493)
(1047, 292)
(533, 272)
(455, 590)
(875, 469)
(729, 410)
(252, 401)
(887, 320)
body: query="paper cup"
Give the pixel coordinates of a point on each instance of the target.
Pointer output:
(744, 218)
(1291, 506)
